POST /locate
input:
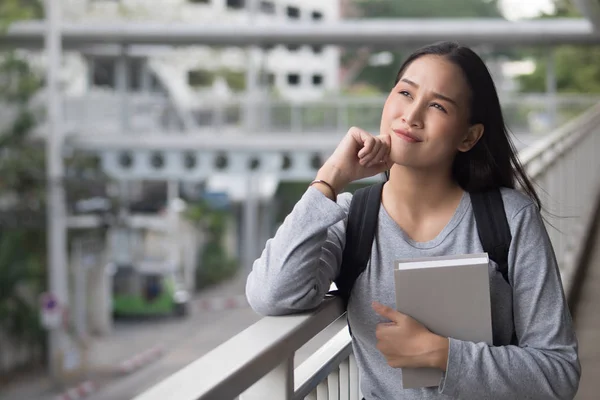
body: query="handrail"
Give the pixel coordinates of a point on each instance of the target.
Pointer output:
(571, 131)
(234, 366)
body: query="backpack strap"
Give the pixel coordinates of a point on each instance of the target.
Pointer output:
(494, 232)
(492, 227)
(360, 231)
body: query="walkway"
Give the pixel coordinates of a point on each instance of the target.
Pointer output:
(587, 322)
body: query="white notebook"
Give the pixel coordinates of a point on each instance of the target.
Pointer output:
(450, 295)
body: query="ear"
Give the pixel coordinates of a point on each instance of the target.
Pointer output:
(473, 135)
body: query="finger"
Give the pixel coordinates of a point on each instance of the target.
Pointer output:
(386, 312)
(372, 155)
(380, 157)
(368, 143)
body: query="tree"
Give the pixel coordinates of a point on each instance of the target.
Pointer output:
(382, 76)
(23, 188)
(429, 9)
(577, 68)
(22, 246)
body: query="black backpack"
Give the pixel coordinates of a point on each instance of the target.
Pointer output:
(490, 217)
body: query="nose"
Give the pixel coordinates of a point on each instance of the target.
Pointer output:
(413, 115)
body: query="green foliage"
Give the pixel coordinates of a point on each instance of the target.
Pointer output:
(202, 78)
(22, 273)
(289, 193)
(428, 8)
(382, 77)
(22, 248)
(577, 68)
(214, 265)
(16, 10)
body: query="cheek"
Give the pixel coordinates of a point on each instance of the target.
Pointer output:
(391, 108)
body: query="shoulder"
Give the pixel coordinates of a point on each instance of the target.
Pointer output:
(517, 203)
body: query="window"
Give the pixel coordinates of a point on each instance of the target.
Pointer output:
(135, 67)
(104, 72)
(317, 49)
(237, 4)
(267, 7)
(293, 79)
(317, 79)
(293, 47)
(293, 12)
(317, 15)
(200, 78)
(236, 80)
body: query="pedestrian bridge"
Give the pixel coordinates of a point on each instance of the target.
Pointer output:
(259, 363)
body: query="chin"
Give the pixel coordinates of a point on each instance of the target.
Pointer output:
(403, 158)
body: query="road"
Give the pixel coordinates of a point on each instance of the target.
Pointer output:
(183, 343)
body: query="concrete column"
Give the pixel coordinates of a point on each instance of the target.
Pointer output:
(100, 284)
(252, 75)
(172, 215)
(58, 279)
(551, 88)
(250, 224)
(122, 85)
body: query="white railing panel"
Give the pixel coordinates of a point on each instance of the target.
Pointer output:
(324, 361)
(323, 390)
(353, 378)
(345, 380)
(333, 381)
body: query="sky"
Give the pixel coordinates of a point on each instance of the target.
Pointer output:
(516, 9)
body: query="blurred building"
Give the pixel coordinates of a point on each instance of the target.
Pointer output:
(193, 76)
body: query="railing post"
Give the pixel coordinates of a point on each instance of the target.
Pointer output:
(342, 116)
(122, 84)
(276, 385)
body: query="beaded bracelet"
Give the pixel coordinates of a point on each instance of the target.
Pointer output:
(326, 184)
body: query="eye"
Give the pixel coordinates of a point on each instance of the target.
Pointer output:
(404, 93)
(439, 107)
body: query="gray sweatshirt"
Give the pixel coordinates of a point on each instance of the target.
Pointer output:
(299, 263)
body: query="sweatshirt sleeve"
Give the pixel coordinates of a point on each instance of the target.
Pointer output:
(297, 265)
(545, 365)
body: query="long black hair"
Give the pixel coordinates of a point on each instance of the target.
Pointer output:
(493, 161)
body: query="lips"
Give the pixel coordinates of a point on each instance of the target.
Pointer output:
(409, 137)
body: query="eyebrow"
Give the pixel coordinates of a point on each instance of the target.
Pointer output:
(437, 95)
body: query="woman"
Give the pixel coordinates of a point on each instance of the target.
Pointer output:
(442, 136)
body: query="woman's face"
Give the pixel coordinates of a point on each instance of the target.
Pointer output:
(427, 115)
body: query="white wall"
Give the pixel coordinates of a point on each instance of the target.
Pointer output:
(176, 63)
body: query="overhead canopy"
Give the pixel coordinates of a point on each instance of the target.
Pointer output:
(375, 33)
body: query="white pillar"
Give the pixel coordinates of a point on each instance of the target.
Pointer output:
(250, 222)
(122, 85)
(56, 213)
(172, 215)
(551, 89)
(252, 74)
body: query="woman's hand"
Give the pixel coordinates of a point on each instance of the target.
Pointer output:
(359, 155)
(405, 342)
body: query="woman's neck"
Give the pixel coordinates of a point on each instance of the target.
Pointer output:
(421, 191)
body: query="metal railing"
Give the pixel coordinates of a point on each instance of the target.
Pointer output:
(259, 362)
(109, 112)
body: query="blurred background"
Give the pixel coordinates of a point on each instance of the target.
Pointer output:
(148, 149)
